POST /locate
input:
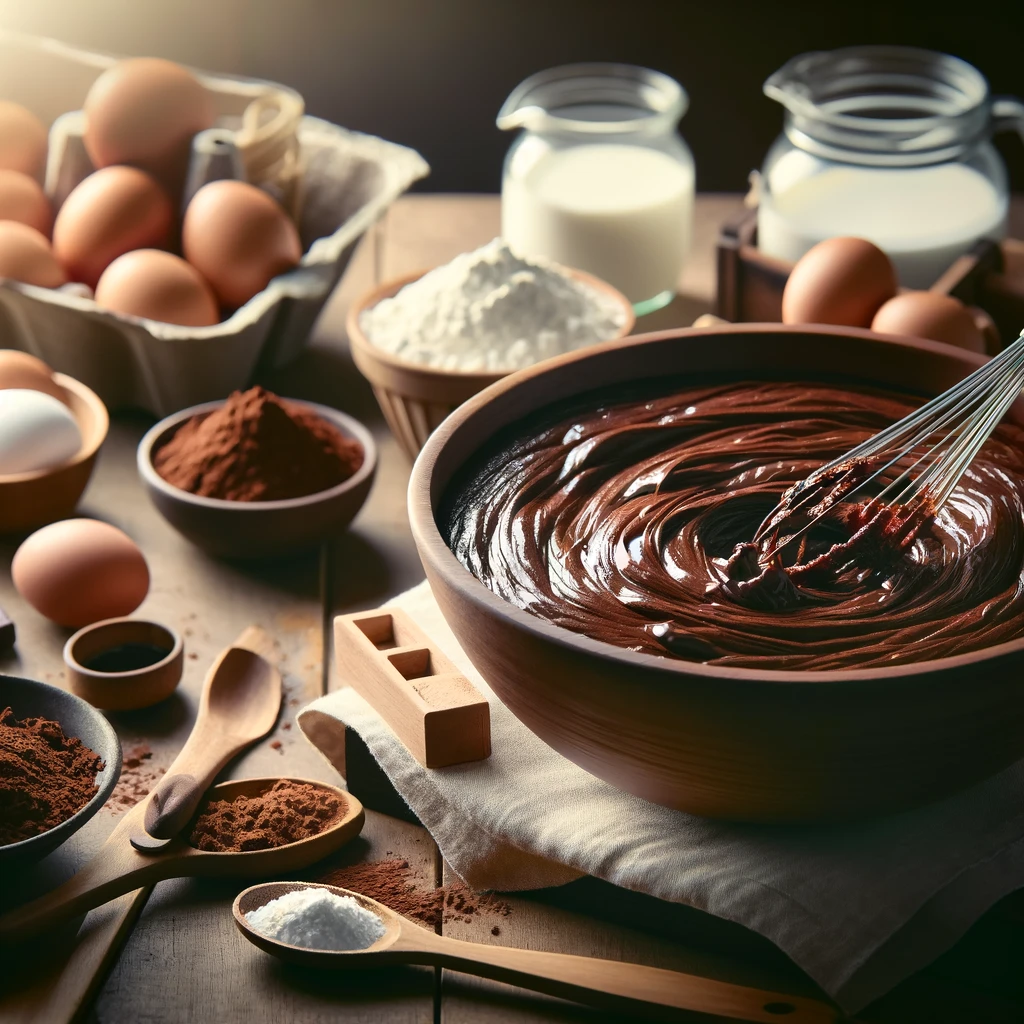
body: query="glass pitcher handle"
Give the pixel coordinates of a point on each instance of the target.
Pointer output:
(1008, 115)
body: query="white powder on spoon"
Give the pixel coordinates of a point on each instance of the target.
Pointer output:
(317, 919)
(489, 310)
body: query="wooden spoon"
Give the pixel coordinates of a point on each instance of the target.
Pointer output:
(609, 984)
(240, 702)
(119, 868)
(103, 933)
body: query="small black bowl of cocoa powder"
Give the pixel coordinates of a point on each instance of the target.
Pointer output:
(59, 762)
(257, 475)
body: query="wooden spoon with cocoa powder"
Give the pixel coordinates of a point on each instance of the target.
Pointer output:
(120, 868)
(239, 704)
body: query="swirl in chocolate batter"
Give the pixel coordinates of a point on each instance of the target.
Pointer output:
(620, 521)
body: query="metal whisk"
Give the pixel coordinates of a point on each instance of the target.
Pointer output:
(929, 451)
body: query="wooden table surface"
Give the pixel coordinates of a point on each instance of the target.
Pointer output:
(183, 960)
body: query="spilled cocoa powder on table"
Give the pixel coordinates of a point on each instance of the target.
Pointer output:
(285, 813)
(137, 779)
(45, 776)
(395, 884)
(257, 447)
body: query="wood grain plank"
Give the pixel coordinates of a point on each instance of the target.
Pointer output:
(375, 558)
(69, 992)
(423, 231)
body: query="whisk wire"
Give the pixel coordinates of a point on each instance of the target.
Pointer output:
(975, 438)
(964, 415)
(949, 404)
(967, 392)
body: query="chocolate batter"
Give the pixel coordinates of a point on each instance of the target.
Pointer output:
(620, 520)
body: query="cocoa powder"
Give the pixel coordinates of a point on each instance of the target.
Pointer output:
(138, 777)
(285, 813)
(45, 776)
(395, 884)
(257, 447)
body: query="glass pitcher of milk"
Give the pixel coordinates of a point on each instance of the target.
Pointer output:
(887, 143)
(599, 179)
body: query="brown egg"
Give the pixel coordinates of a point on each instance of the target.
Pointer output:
(930, 315)
(23, 140)
(157, 285)
(238, 238)
(79, 571)
(840, 281)
(22, 199)
(144, 112)
(21, 370)
(26, 256)
(111, 212)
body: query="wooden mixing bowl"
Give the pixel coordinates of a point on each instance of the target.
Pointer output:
(726, 742)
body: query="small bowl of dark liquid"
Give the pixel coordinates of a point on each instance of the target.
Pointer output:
(124, 664)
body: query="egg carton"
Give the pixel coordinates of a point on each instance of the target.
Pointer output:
(348, 180)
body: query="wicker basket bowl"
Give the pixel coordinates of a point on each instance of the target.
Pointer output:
(415, 399)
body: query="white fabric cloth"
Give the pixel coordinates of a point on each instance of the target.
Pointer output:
(858, 907)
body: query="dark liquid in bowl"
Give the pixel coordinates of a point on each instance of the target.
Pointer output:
(127, 658)
(615, 516)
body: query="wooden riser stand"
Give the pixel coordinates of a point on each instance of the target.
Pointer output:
(990, 278)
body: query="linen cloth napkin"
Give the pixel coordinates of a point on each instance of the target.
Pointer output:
(858, 907)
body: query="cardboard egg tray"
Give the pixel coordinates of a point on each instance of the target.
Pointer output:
(348, 181)
(990, 278)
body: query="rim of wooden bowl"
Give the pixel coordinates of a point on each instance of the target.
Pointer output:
(433, 548)
(94, 432)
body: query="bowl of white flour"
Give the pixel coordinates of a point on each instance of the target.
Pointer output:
(429, 341)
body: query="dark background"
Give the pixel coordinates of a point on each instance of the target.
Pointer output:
(433, 73)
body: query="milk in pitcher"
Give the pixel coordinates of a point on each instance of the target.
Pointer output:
(922, 217)
(621, 212)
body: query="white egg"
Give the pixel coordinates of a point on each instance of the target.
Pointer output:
(36, 431)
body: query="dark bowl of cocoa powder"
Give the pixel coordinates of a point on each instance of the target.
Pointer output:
(59, 762)
(256, 475)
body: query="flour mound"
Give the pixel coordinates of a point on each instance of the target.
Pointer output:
(490, 311)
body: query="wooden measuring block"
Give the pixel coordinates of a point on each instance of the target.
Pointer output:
(429, 705)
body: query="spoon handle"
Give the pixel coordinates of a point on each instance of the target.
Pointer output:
(172, 804)
(612, 984)
(215, 739)
(116, 870)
